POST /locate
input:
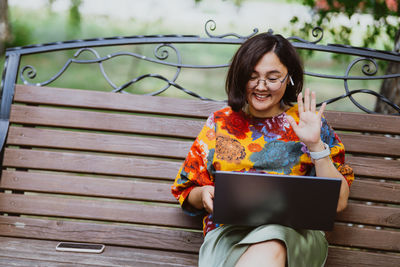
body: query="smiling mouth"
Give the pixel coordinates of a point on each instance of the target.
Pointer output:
(261, 97)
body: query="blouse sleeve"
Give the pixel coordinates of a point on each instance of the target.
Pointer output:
(329, 136)
(197, 168)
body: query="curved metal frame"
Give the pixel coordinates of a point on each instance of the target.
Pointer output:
(161, 56)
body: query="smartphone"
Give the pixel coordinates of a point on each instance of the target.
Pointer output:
(80, 247)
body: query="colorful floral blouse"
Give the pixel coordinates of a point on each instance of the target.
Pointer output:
(235, 141)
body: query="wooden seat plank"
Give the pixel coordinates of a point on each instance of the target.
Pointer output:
(372, 145)
(43, 252)
(164, 105)
(88, 163)
(87, 186)
(103, 210)
(375, 145)
(152, 191)
(360, 122)
(122, 144)
(354, 236)
(109, 234)
(170, 239)
(370, 214)
(153, 214)
(115, 101)
(374, 167)
(386, 192)
(130, 166)
(341, 257)
(100, 121)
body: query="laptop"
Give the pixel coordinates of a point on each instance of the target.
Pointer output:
(253, 199)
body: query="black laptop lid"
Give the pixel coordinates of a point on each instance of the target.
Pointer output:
(252, 199)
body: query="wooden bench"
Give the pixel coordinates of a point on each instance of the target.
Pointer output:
(97, 167)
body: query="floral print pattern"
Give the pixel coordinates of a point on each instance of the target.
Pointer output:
(235, 141)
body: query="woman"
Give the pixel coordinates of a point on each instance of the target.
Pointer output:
(262, 131)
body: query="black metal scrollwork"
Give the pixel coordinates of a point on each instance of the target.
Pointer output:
(212, 25)
(316, 32)
(164, 45)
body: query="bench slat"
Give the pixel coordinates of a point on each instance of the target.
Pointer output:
(374, 123)
(42, 252)
(129, 166)
(375, 167)
(99, 121)
(87, 186)
(373, 145)
(375, 191)
(170, 239)
(187, 107)
(28, 136)
(113, 234)
(367, 214)
(34, 251)
(114, 143)
(340, 257)
(116, 211)
(155, 214)
(152, 191)
(115, 101)
(343, 235)
(87, 163)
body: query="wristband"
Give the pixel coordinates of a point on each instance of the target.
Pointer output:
(321, 154)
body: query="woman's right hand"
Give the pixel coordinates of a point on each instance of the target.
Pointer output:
(201, 197)
(207, 197)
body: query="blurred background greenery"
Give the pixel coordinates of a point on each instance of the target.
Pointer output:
(345, 22)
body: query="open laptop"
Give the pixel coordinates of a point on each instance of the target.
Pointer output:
(252, 199)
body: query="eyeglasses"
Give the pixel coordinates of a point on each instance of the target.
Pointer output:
(273, 84)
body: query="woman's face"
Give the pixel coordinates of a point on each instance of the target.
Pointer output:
(267, 86)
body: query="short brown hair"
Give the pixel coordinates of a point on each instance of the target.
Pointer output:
(246, 58)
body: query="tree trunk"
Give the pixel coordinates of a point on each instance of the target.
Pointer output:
(391, 87)
(5, 33)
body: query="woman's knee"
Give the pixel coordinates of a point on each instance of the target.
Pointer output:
(275, 249)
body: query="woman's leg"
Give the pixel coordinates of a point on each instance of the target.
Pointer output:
(270, 253)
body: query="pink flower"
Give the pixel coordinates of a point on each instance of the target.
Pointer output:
(391, 5)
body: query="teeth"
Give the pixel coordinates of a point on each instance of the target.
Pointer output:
(261, 96)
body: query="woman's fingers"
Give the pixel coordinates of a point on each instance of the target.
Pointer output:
(307, 100)
(313, 102)
(300, 103)
(322, 109)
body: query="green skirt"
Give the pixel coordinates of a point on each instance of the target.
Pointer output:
(223, 246)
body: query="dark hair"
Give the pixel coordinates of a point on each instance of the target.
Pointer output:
(247, 57)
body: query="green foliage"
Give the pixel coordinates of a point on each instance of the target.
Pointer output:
(74, 18)
(327, 13)
(21, 33)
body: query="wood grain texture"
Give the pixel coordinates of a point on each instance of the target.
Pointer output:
(88, 163)
(87, 186)
(103, 210)
(340, 257)
(128, 235)
(386, 192)
(370, 214)
(369, 238)
(371, 145)
(115, 101)
(373, 123)
(33, 252)
(113, 143)
(374, 167)
(100, 121)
